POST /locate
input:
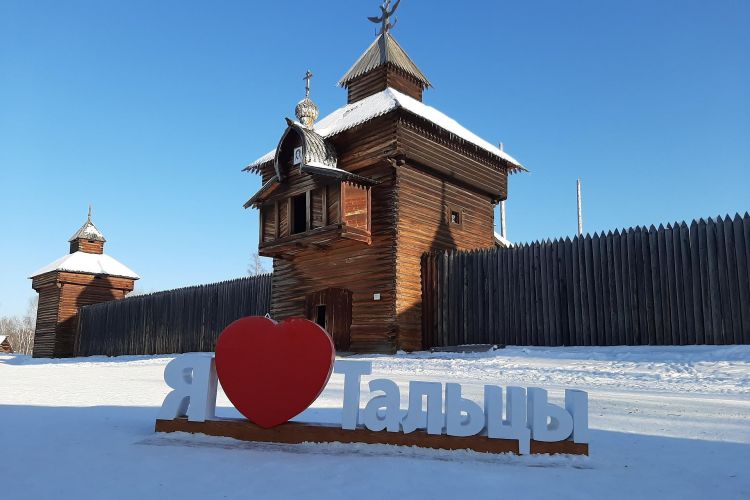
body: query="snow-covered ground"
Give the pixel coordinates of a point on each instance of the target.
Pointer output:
(666, 423)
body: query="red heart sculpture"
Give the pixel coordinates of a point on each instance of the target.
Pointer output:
(272, 371)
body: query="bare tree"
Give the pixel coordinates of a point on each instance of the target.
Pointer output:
(256, 266)
(20, 329)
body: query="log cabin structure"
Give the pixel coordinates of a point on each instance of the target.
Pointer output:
(85, 276)
(5, 347)
(349, 204)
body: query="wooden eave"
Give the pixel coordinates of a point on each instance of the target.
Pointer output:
(319, 238)
(335, 174)
(58, 277)
(439, 134)
(266, 189)
(339, 174)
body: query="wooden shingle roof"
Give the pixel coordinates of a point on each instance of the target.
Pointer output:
(317, 151)
(384, 50)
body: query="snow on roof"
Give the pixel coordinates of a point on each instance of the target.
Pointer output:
(89, 263)
(503, 241)
(263, 159)
(383, 102)
(88, 232)
(2, 338)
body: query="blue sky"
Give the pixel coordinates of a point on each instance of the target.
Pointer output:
(149, 110)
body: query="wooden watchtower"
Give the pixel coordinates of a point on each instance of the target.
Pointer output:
(350, 203)
(85, 276)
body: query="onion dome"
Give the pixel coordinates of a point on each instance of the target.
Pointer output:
(307, 112)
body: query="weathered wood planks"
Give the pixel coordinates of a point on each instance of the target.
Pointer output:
(61, 293)
(674, 285)
(183, 320)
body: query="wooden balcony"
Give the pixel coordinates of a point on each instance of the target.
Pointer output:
(320, 238)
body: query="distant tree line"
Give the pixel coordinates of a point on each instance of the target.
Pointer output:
(20, 328)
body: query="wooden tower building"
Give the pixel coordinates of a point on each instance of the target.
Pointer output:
(85, 276)
(350, 203)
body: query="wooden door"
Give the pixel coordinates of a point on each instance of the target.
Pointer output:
(332, 309)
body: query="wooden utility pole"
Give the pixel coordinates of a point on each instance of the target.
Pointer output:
(503, 228)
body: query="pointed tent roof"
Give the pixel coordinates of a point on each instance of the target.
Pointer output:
(384, 50)
(88, 232)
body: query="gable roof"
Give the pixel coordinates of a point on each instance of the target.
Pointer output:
(2, 338)
(88, 232)
(383, 102)
(88, 263)
(384, 50)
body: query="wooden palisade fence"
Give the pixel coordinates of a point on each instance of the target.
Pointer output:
(182, 320)
(645, 286)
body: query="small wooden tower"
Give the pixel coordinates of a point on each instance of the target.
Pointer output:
(5, 346)
(85, 276)
(350, 203)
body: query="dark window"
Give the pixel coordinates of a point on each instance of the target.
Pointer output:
(299, 214)
(453, 215)
(321, 316)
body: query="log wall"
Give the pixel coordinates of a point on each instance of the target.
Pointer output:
(424, 225)
(88, 246)
(46, 320)
(78, 290)
(423, 176)
(672, 285)
(381, 78)
(364, 269)
(360, 267)
(60, 295)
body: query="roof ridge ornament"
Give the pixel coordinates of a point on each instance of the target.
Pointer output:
(385, 17)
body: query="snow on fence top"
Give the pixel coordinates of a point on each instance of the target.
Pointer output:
(379, 104)
(89, 263)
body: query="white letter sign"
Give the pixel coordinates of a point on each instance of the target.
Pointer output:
(527, 414)
(194, 382)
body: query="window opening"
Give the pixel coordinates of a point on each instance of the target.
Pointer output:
(320, 318)
(299, 214)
